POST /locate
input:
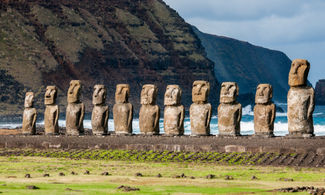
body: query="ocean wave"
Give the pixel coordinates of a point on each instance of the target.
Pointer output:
(248, 111)
(247, 127)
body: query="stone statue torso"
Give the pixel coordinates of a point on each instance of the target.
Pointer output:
(29, 121)
(264, 118)
(149, 119)
(200, 115)
(229, 116)
(173, 123)
(122, 119)
(300, 109)
(51, 120)
(73, 117)
(98, 118)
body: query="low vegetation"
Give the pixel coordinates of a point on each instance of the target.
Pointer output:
(40, 175)
(233, 158)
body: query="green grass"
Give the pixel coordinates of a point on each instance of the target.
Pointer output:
(14, 168)
(103, 188)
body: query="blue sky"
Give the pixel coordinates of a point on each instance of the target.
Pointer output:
(296, 27)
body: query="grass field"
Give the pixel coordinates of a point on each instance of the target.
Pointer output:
(14, 168)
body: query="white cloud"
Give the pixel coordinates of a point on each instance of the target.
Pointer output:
(295, 27)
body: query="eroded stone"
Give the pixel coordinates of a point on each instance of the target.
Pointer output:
(51, 114)
(264, 111)
(174, 112)
(100, 113)
(299, 72)
(29, 116)
(229, 111)
(300, 111)
(301, 100)
(122, 110)
(75, 110)
(149, 111)
(200, 110)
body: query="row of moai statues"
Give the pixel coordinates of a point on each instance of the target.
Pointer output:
(300, 109)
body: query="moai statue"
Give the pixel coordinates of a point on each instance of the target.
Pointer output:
(264, 111)
(301, 100)
(51, 115)
(149, 111)
(99, 117)
(200, 110)
(75, 110)
(229, 110)
(174, 112)
(29, 116)
(122, 110)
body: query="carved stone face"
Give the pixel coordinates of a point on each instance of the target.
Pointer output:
(264, 94)
(122, 93)
(99, 95)
(29, 100)
(50, 95)
(148, 94)
(172, 95)
(299, 72)
(74, 91)
(200, 91)
(229, 92)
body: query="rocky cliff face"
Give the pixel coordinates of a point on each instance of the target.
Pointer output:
(320, 92)
(248, 65)
(106, 42)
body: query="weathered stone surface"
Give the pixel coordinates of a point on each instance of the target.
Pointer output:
(75, 110)
(264, 111)
(229, 111)
(122, 110)
(100, 114)
(174, 112)
(200, 92)
(149, 111)
(300, 111)
(200, 110)
(29, 116)
(298, 73)
(229, 92)
(301, 100)
(235, 148)
(51, 114)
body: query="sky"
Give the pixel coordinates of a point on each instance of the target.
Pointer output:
(295, 27)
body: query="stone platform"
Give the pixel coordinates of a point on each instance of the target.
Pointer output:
(314, 145)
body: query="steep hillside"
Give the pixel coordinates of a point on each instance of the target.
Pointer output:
(320, 92)
(247, 64)
(108, 41)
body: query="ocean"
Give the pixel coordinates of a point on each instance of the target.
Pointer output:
(247, 123)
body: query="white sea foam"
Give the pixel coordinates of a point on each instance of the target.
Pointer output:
(247, 110)
(247, 127)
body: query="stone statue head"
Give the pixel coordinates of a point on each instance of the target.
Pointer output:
(99, 95)
(264, 94)
(50, 95)
(299, 72)
(172, 95)
(149, 94)
(122, 93)
(29, 100)
(229, 92)
(74, 91)
(200, 91)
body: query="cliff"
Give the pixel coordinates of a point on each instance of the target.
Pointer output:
(320, 92)
(247, 64)
(98, 42)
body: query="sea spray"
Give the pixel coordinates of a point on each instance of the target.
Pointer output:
(247, 123)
